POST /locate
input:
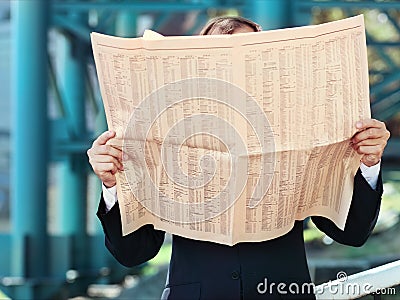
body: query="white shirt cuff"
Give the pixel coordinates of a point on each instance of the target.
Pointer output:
(371, 174)
(109, 196)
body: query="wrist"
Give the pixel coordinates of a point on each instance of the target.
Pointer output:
(109, 185)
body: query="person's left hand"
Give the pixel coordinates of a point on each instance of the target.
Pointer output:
(370, 140)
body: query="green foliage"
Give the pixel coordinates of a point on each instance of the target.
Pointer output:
(3, 296)
(162, 258)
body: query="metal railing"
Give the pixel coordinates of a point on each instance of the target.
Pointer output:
(378, 281)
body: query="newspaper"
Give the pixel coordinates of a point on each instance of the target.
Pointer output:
(231, 138)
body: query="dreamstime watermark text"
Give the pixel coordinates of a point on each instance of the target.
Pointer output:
(337, 287)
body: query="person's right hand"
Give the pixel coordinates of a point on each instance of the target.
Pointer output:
(106, 160)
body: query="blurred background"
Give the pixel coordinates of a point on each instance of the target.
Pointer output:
(51, 244)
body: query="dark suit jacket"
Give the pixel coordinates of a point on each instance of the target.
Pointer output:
(205, 270)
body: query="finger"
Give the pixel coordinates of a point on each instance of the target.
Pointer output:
(107, 150)
(370, 142)
(370, 160)
(109, 175)
(365, 150)
(104, 137)
(103, 170)
(367, 123)
(369, 133)
(99, 159)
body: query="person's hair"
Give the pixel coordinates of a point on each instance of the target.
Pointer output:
(227, 25)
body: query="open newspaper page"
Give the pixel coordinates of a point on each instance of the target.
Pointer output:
(231, 138)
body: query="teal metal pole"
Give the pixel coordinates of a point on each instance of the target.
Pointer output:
(73, 170)
(72, 186)
(270, 14)
(30, 138)
(126, 24)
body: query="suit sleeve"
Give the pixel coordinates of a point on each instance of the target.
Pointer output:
(134, 248)
(362, 216)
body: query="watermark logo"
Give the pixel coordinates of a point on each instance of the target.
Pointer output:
(340, 287)
(208, 121)
(341, 276)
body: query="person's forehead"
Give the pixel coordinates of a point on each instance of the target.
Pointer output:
(242, 29)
